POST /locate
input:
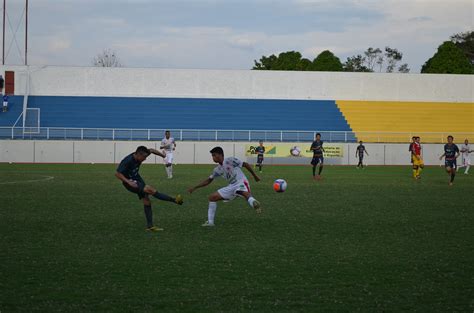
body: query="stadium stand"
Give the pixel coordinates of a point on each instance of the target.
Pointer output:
(15, 107)
(186, 113)
(374, 121)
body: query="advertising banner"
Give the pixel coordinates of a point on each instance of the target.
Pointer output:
(286, 150)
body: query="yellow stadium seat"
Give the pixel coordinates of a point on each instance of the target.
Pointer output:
(388, 121)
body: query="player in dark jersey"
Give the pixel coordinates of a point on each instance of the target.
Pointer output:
(360, 152)
(260, 150)
(413, 140)
(127, 172)
(317, 148)
(451, 153)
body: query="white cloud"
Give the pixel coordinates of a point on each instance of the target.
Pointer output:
(56, 44)
(415, 27)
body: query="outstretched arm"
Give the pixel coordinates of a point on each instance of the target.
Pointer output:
(201, 184)
(249, 168)
(442, 156)
(159, 153)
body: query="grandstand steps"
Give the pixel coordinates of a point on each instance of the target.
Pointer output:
(407, 117)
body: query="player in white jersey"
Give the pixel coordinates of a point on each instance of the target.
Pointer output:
(168, 145)
(231, 170)
(466, 159)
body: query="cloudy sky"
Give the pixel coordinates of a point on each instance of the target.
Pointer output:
(229, 34)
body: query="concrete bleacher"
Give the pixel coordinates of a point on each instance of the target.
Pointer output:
(384, 121)
(15, 107)
(188, 114)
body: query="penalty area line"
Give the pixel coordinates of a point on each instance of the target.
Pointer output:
(45, 178)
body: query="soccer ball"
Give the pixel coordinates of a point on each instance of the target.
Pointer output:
(279, 185)
(295, 151)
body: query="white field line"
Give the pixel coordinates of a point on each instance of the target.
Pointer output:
(46, 178)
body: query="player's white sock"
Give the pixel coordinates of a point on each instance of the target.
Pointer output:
(211, 212)
(251, 200)
(467, 169)
(171, 170)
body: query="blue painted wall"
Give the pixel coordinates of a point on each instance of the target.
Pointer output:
(185, 113)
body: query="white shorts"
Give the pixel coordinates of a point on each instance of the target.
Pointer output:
(466, 161)
(168, 158)
(229, 192)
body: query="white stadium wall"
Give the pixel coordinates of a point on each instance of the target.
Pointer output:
(240, 84)
(31, 151)
(231, 84)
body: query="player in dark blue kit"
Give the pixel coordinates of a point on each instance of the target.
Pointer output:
(127, 172)
(451, 153)
(260, 150)
(360, 151)
(317, 148)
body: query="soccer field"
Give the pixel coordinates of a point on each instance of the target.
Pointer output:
(73, 239)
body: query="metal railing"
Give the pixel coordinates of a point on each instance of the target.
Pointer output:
(68, 133)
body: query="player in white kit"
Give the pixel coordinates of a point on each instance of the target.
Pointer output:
(466, 159)
(168, 145)
(231, 170)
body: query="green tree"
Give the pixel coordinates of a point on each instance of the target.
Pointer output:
(355, 64)
(392, 56)
(326, 61)
(465, 42)
(449, 59)
(372, 57)
(108, 58)
(375, 59)
(286, 61)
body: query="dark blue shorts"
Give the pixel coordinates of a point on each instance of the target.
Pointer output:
(317, 159)
(259, 159)
(450, 163)
(138, 191)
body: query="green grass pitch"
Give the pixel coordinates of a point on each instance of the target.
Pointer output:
(368, 240)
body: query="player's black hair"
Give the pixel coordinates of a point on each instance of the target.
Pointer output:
(217, 150)
(360, 141)
(143, 150)
(260, 141)
(451, 137)
(167, 131)
(318, 134)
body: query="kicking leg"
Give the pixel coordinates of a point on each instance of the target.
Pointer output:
(161, 196)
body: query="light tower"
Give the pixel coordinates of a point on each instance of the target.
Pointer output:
(14, 33)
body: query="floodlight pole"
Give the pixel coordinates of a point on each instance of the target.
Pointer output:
(3, 41)
(26, 33)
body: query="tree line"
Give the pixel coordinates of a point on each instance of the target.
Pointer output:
(455, 56)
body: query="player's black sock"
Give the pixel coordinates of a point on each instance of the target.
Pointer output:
(162, 196)
(453, 173)
(314, 170)
(148, 215)
(320, 169)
